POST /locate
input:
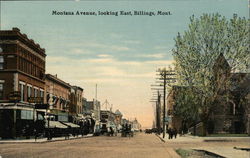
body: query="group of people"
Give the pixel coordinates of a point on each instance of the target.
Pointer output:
(127, 130)
(172, 133)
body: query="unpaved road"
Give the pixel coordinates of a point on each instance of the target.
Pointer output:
(140, 146)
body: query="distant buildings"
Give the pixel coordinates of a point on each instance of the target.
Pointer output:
(135, 125)
(78, 93)
(31, 100)
(118, 117)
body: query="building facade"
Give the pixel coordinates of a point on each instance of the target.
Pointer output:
(57, 97)
(22, 66)
(77, 94)
(22, 83)
(118, 117)
(231, 111)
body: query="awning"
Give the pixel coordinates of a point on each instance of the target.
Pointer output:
(71, 125)
(55, 124)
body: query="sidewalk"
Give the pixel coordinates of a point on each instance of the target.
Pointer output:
(43, 140)
(192, 138)
(225, 151)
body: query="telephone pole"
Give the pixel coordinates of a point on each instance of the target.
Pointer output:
(166, 77)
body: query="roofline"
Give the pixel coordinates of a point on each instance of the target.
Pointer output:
(59, 81)
(16, 31)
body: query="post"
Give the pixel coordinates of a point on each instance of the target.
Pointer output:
(164, 102)
(158, 113)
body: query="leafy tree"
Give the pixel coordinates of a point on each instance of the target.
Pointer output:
(197, 49)
(186, 105)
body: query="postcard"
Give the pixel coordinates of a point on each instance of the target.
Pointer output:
(124, 78)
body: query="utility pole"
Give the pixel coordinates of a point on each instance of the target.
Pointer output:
(167, 77)
(158, 104)
(95, 91)
(164, 103)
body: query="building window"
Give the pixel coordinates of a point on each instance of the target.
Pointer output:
(35, 92)
(1, 91)
(41, 93)
(29, 91)
(1, 62)
(21, 86)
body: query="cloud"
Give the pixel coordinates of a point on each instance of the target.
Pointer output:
(119, 48)
(100, 46)
(157, 55)
(161, 47)
(80, 51)
(104, 55)
(104, 67)
(160, 62)
(100, 60)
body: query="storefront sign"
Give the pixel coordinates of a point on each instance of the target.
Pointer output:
(35, 99)
(15, 96)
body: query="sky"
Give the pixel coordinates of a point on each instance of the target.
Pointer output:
(118, 53)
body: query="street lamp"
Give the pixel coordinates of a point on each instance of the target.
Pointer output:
(48, 117)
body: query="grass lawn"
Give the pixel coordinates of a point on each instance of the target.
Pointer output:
(189, 153)
(183, 152)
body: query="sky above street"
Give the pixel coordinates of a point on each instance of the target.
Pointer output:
(118, 53)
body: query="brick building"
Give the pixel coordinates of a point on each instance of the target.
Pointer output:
(76, 98)
(22, 83)
(22, 66)
(231, 113)
(57, 96)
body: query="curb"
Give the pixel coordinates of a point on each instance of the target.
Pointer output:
(210, 153)
(45, 141)
(160, 138)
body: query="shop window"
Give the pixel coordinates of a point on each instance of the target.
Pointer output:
(26, 115)
(1, 62)
(63, 118)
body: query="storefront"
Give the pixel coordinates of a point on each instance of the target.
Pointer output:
(59, 115)
(16, 120)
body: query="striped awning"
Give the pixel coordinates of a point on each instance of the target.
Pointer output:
(55, 124)
(72, 124)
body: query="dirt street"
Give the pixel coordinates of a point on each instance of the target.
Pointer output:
(140, 146)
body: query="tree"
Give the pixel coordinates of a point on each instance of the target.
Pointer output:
(186, 105)
(197, 49)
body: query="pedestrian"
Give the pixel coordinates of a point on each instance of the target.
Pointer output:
(48, 134)
(170, 133)
(35, 133)
(111, 131)
(175, 133)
